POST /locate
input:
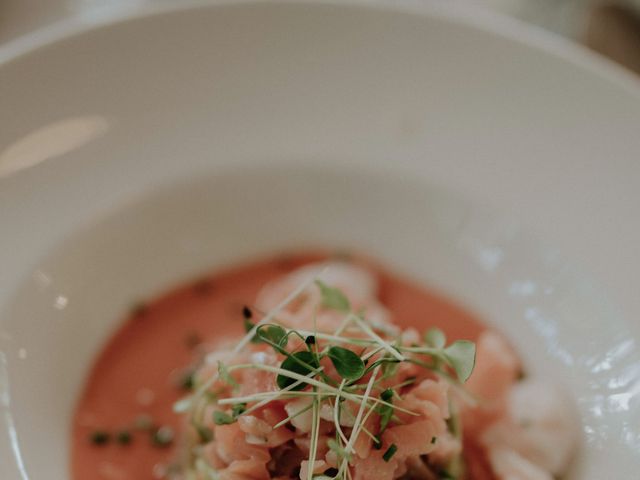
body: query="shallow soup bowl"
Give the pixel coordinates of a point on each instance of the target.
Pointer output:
(184, 139)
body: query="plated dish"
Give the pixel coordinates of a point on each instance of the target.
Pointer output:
(363, 125)
(307, 367)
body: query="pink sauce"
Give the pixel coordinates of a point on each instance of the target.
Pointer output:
(136, 371)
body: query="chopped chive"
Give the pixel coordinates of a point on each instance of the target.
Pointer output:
(433, 440)
(187, 381)
(100, 437)
(387, 395)
(391, 451)
(123, 437)
(385, 411)
(247, 313)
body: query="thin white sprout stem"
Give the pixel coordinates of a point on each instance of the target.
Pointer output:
(285, 390)
(294, 415)
(366, 430)
(315, 428)
(343, 325)
(367, 356)
(334, 338)
(286, 373)
(275, 311)
(270, 396)
(366, 329)
(336, 413)
(356, 425)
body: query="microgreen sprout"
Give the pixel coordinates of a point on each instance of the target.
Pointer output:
(461, 355)
(301, 363)
(434, 337)
(348, 364)
(333, 298)
(365, 356)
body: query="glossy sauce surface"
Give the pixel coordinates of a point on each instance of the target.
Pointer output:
(140, 368)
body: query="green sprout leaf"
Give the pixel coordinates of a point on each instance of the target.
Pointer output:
(273, 334)
(435, 338)
(333, 298)
(222, 418)
(348, 364)
(461, 355)
(238, 409)
(302, 363)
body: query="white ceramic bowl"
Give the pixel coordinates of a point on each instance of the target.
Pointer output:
(177, 141)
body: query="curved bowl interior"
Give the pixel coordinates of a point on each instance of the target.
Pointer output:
(61, 315)
(123, 118)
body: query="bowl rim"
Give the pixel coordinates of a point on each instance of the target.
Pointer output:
(468, 15)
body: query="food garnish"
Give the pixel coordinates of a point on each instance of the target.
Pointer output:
(346, 375)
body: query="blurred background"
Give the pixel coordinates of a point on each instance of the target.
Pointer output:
(611, 27)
